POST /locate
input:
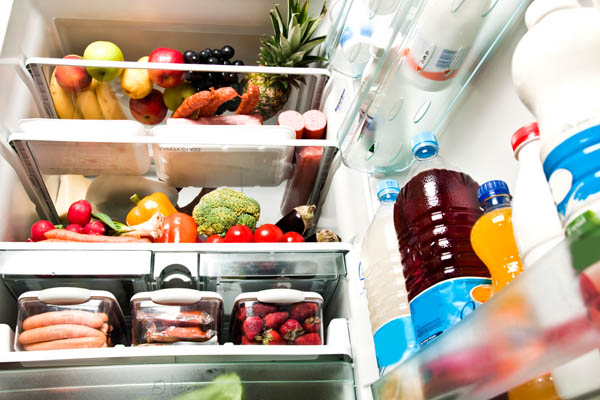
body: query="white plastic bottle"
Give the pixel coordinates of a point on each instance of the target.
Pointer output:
(387, 298)
(536, 225)
(444, 36)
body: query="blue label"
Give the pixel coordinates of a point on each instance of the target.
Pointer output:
(394, 342)
(573, 170)
(444, 305)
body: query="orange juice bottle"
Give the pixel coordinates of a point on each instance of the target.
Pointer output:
(492, 235)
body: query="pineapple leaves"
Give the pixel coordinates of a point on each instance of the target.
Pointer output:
(295, 34)
(286, 48)
(281, 24)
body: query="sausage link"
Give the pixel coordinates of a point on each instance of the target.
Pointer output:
(77, 317)
(76, 343)
(56, 332)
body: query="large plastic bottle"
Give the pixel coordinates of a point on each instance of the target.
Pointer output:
(433, 216)
(560, 83)
(389, 311)
(492, 235)
(536, 225)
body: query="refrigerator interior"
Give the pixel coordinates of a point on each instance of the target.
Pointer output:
(475, 137)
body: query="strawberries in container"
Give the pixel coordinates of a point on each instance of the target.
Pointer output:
(277, 317)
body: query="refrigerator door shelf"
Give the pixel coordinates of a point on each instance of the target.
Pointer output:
(535, 324)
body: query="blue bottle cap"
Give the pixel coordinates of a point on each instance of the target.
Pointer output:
(424, 145)
(491, 189)
(387, 189)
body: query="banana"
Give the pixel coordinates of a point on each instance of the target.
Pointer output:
(63, 101)
(111, 109)
(87, 102)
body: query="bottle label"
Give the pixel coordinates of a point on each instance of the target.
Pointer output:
(445, 304)
(433, 62)
(394, 342)
(584, 236)
(573, 172)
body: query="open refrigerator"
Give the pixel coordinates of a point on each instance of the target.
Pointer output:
(474, 115)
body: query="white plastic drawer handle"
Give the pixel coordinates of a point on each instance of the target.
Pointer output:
(282, 296)
(64, 295)
(176, 296)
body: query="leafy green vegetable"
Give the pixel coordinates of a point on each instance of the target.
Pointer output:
(223, 387)
(116, 226)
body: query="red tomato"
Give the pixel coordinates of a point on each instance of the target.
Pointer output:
(239, 234)
(293, 237)
(214, 239)
(268, 233)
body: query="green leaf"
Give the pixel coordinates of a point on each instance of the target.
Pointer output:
(275, 23)
(291, 6)
(311, 28)
(283, 26)
(310, 59)
(114, 225)
(295, 34)
(304, 13)
(286, 49)
(311, 44)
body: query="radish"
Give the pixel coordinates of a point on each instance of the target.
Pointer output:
(39, 228)
(94, 228)
(80, 213)
(75, 228)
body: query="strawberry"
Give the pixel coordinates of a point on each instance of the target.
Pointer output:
(309, 339)
(271, 337)
(301, 311)
(241, 314)
(291, 329)
(252, 327)
(312, 324)
(262, 309)
(276, 319)
(246, 341)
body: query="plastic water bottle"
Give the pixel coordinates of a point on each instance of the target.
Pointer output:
(389, 311)
(433, 216)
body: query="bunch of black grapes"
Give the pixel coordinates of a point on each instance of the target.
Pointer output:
(206, 80)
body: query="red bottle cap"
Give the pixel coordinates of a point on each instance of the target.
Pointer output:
(524, 134)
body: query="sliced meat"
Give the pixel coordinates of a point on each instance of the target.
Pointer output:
(194, 102)
(220, 96)
(76, 343)
(254, 119)
(176, 334)
(77, 317)
(56, 332)
(294, 120)
(315, 123)
(183, 318)
(302, 181)
(249, 100)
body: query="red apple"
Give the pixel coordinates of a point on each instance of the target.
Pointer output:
(72, 79)
(150, 110)
(162, 77)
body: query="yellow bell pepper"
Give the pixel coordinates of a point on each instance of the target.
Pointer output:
(148, 206)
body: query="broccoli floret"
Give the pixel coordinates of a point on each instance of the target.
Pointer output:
(220, 209)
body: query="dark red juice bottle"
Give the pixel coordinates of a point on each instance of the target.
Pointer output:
(433, 216)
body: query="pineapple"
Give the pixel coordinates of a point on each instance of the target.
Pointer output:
(288, 47)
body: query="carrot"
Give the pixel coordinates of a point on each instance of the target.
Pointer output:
(63, 234)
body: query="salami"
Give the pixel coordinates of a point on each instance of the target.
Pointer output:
(294, 120)
(315, 123)
(249, 100)
(193, 103)
(219, 97)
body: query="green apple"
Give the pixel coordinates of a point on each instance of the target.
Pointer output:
(106, 51)
(174, 96)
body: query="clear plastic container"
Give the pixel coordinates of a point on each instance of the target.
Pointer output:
(181, 316)
(68, 318)
(277, 317)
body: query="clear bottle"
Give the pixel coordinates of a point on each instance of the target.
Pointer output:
(433, 216)
(492, 235)
(389, 311)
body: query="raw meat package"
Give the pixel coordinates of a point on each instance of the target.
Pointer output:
(302, 179)
(277, 317)
(68, 318)
(181, 316)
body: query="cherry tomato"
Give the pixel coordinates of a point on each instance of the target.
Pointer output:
(214, 239)
(178, 228)
(268, 233)
(293, 237)
(39, 228)
(239, 234)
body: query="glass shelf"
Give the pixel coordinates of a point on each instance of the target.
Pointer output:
(534, 325)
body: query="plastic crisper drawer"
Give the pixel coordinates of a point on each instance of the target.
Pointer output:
(84, 147)
(219, 155)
